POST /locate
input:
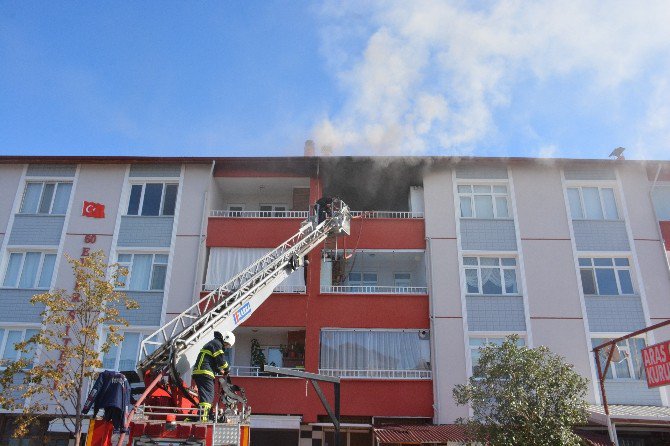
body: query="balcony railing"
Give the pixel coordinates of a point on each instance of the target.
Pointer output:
(239, 370)
(295, 289)
(305, 214)
(370, 289)
(386, 214)
(259, 214)
(378, 374)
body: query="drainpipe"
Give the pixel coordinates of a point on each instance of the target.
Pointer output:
(201, 237)
(431, 313)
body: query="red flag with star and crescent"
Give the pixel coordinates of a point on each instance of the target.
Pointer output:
(92, 209)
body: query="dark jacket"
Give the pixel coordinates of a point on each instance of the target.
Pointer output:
(210, 360)
(111, 390)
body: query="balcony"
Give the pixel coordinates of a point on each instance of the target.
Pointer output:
(281, 347)
(259, 214)
(374, 272)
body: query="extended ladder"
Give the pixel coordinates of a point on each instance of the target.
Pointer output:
(178, 342)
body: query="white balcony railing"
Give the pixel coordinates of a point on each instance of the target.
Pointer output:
(378, 374)
(305, 214)
(239, 370)
(295, 289)
(259, 214)
(386, 214)
(374, 289)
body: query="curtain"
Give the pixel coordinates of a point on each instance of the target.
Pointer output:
(31, 198)
(140, 272)
(62, 198)
(374, 350)
(30, 266)
(47, 270)
(592, 203)
(575, 203)
(225, 263)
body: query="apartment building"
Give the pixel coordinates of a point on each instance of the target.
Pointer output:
(445, 255)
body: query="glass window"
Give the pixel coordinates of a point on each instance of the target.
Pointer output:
(605, 276)
(491, 275)
(273, 210)
(593, 203)
(476, 344)
(483, 201)
(374, 353)
(402, 280)
(152, 199)
(46, 198)
(631, 365)
(125, 355)
(9, 337)
(145, 271)
(29, 270)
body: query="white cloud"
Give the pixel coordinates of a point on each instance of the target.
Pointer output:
(430, 75)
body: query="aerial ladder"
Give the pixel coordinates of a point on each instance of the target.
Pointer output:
(160, 415)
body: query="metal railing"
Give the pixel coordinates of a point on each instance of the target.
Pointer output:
(386, 214)
(294, 289)
(259, 214)
(305, 214)
(373, 289)
(242, 371)
(378, 374)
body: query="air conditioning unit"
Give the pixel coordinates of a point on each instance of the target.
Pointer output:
(424, 334)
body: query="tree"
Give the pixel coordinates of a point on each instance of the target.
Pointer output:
(68, 345)
(523, 396)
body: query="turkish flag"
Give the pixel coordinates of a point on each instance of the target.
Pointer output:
(95, 210)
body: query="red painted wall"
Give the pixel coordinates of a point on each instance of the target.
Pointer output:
(665, 230)
(410, 398)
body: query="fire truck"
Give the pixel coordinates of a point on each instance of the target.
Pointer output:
(166, 413)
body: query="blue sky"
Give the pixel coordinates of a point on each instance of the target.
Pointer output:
(205, 78)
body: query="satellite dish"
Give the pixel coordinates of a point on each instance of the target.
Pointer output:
(618, 153)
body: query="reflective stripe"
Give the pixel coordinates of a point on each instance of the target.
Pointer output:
(203, 372)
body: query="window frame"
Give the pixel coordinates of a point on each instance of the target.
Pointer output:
(129, 267)
(273, 212)
(143, 334)
(43, 182)
(38, 273)
(5, 336)
(140, 205)
(615, 268)
(611, 371)
(395, 280)
(487, 337)
(600, 186)
(471, 194)
(500, 267)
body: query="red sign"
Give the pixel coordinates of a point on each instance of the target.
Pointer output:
(656, 359)
(91, 209)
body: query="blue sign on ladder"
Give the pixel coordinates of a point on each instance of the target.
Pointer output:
(242, 313)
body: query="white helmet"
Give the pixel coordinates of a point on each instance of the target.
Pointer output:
(227, 337)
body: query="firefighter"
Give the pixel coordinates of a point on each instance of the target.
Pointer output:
(323, 208)
(210, 362)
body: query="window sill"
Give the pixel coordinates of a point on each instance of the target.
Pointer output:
(493, 295)
(610, 295)
(149, 216)
(24, 289)
(487, 219)
(596, 219)
(41, 215)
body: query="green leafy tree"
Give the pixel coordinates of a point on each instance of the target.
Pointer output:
(68, 345)
(523, 396)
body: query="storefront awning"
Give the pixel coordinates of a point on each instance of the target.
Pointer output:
(633, 415)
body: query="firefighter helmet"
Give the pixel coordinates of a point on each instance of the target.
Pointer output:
(227, 337)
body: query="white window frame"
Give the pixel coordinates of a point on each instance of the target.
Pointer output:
(395, 280)
(266, 352)
(492, 194)
(43, 253)
(582, 206)
(129, 267)
(625, 350)
(141, 202)
(5, 336)
(56, 184)
(614, 267)
(487, 339)
(502, 269)
(143, 334)
(273, 209)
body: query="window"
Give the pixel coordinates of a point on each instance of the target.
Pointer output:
(592, 203)
(631, 365)
(146, 272)
(476, 345)
(361, 280)
(29, 270)
(402, 280)
(273, 210)
(46, 198)
(272, 353)
(483, 201)
(152, 199)
(125, 355)
(605, 276)
(235, 210)
(8, 338)
(375, 353)
(491, 275)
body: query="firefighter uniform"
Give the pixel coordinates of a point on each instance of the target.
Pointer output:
(210, 362)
